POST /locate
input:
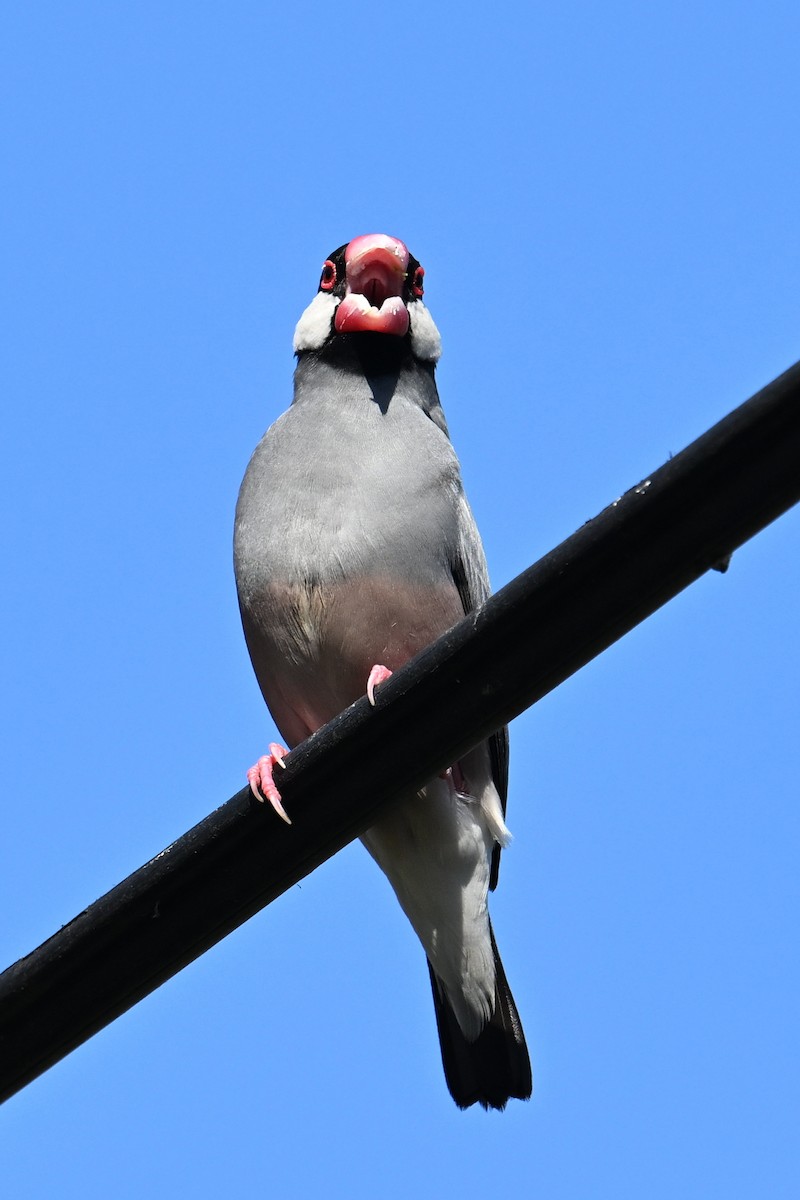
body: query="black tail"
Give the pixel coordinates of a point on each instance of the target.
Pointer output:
(495, 1067)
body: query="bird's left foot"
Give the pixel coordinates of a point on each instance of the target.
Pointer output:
(377, 676)
(262, 785)
(455, 777)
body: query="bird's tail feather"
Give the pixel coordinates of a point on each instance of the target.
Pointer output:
(495, 1067)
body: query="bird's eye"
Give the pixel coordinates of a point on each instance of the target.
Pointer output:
(328, 281)
(416, 286)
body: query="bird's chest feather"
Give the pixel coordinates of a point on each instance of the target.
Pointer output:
(313, 646)
(346, 531)
(335, 492)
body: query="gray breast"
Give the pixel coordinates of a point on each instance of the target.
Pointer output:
(341, 486)
(347, 529)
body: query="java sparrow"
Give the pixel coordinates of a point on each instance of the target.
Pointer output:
(354, 548)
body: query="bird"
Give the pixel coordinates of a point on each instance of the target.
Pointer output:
(354, 548)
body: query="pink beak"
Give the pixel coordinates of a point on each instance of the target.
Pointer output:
(376, 267)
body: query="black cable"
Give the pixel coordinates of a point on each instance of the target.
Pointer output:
(687, 517)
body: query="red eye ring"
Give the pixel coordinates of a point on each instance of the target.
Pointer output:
(416, 286)
(328, 280)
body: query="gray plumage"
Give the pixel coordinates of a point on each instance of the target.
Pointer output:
(355, 545)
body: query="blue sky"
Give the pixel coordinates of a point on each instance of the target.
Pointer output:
(605, 199)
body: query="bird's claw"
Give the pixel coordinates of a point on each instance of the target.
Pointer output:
(456, 780)
(262, 784)
(377, 676)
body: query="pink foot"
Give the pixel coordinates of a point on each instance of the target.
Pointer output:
(262, 785)
(455, 777)
(377, 676)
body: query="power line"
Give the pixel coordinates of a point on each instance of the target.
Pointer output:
(686, 518)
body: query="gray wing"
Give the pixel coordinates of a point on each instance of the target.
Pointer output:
(471, 577)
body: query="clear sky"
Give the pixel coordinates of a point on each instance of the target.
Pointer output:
(605, 197)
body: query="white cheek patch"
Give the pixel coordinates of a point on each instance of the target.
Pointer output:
(315, 325)
(425, 340)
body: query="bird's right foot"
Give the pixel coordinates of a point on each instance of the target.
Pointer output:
(262, 784)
